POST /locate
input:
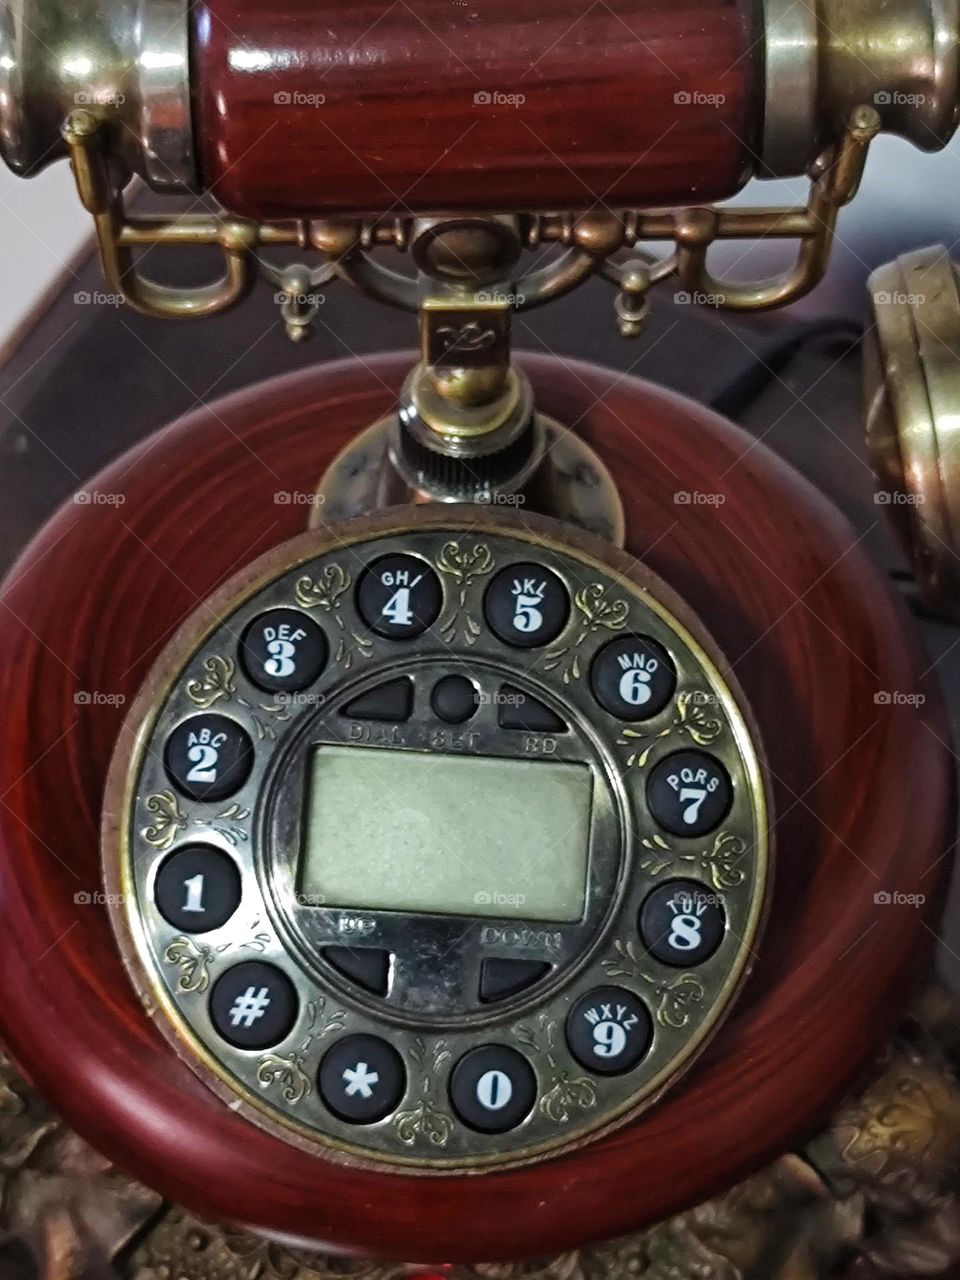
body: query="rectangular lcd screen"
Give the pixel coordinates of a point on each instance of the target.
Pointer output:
(450, 835)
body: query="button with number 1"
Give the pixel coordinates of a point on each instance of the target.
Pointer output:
(399, 596)
(197, 888)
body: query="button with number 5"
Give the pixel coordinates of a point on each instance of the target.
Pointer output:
(399, 596)
(197, 888)
(526, 605)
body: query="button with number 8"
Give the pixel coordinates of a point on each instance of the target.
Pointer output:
(682, 923)
(399, 596)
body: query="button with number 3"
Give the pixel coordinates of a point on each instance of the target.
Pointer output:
(197, 888)
(399, 596)
(609, 1030)
(283, 650)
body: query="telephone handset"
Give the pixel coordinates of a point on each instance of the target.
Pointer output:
(525, 847)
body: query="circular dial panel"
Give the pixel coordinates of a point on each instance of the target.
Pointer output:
(441, 845)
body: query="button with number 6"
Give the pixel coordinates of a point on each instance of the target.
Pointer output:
(197, 888)
(633, 678)
(399, 596)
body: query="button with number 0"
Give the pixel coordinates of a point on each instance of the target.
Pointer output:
(526, 605)
(399, 596)
(197, 888)
(609, 1030)
(208, 757)
(493, 1088)
(283, 650)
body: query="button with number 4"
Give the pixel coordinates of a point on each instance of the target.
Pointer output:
(633, 678)
(609, 1030)
(197, 888)
(526, 605)
(399, 596)
(283, 651)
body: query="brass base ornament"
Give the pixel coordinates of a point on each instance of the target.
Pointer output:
(875, 1194)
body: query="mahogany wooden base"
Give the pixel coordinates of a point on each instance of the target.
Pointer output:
(863, 789)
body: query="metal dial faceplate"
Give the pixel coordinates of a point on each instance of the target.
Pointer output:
(524, 657)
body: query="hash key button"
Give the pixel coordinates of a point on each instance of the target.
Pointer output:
(609, 1030)
(253, 1005)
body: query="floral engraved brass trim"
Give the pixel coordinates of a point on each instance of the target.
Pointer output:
(287, 1072)
(463, 566)
(692, 718)
(218, 683)
(326, 592)
(226, 824)
(596, 613)
(193, 962)
(720, 861)
(566, 1094)
(425, 1120)
(168, 820)
(675, 998)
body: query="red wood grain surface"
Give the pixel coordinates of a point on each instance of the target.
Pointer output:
(863, 793)
(315, 107)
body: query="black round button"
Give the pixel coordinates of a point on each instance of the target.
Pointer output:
(253, 1005)
(492, 1088)
(208, 757)
(362, 1079)
(609, 1030)
(633, 678)
(283, 651)
(454, 699)
(682, 923)
(197, 888)
(399, 596)
(689, 793)
(526, 605)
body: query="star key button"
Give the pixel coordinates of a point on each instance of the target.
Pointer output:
(361, 1079)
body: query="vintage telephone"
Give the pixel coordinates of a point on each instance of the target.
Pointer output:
(508, 857)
